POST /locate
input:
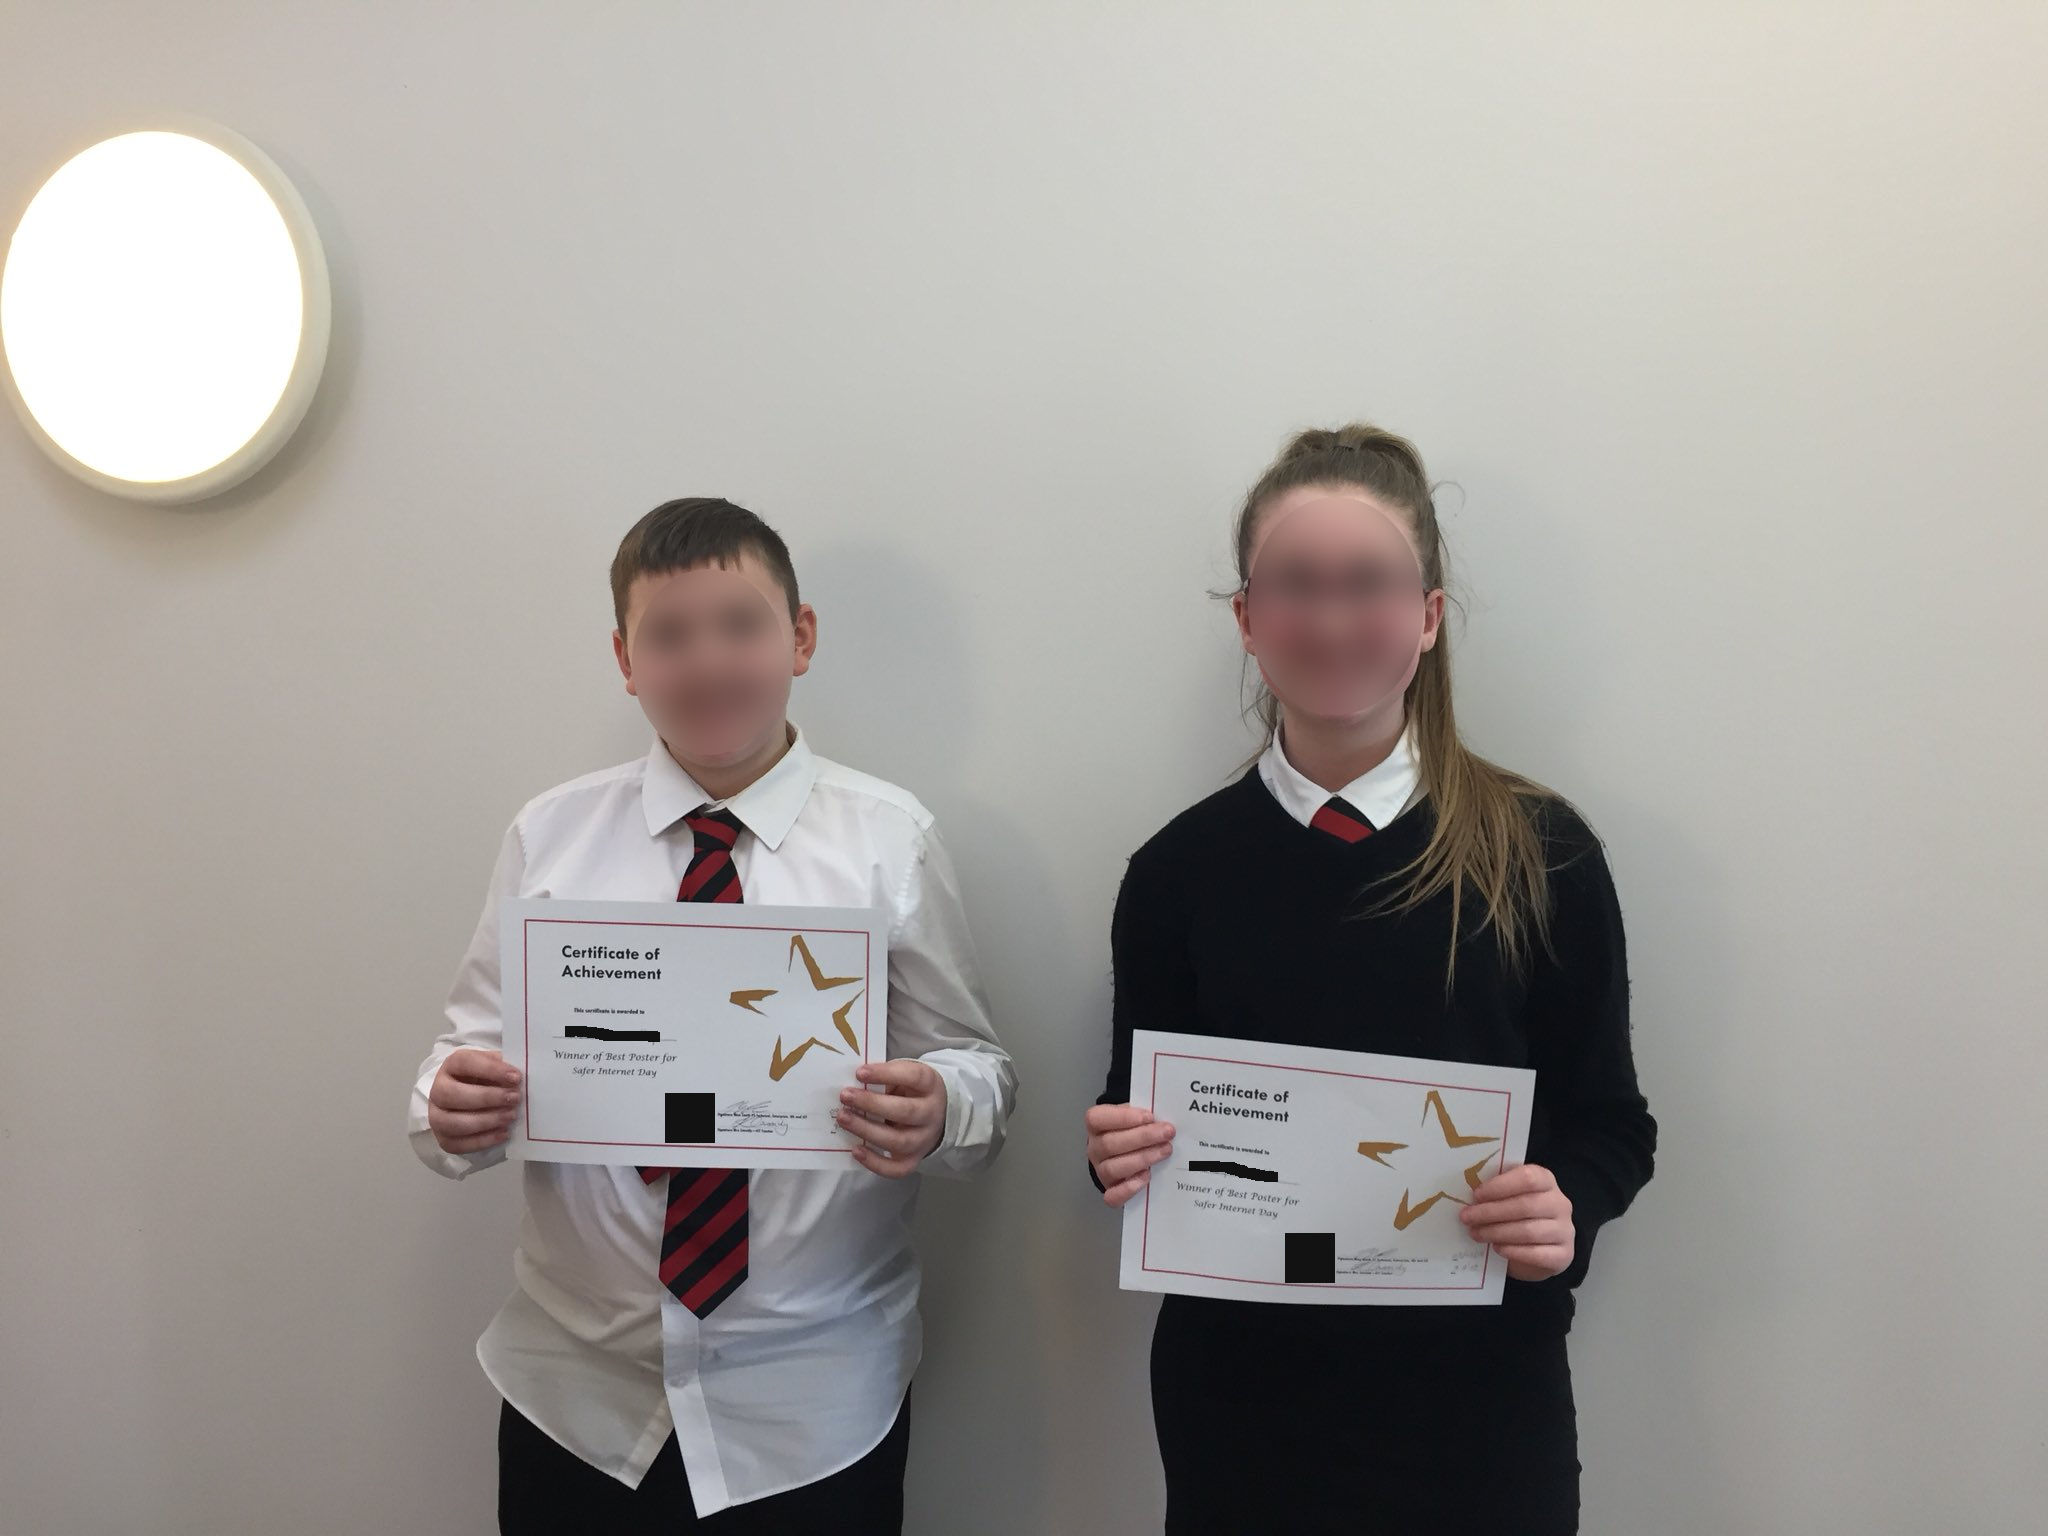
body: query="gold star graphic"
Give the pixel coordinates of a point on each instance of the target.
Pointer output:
(779, 1063)
(751, 998)
(1404, 1213)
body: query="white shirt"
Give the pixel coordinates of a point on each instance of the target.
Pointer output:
(1379, 794)
(799, 1372)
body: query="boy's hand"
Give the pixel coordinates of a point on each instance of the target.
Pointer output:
(907, 1122)
(1124, 1142)
(474, 1100)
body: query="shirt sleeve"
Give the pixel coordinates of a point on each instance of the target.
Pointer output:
(1601, 1140)
(1152, 975)
(939, 1013)
(472, 1016)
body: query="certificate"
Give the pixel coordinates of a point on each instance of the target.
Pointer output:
(702, 1035)
(1302, 1174)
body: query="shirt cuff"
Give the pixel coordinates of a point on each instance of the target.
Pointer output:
(450, 1165)
(974, 1131)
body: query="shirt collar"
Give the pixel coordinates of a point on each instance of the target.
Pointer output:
(767, 807)
(1379, 794)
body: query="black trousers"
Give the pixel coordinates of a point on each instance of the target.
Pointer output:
(1291, 1419)
(544, 1490)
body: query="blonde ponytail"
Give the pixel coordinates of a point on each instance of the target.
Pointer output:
(1485, 844)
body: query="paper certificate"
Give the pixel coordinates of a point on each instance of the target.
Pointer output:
(677, 1034)
(1301, 1174)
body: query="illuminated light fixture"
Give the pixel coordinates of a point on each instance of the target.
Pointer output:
(164, 312)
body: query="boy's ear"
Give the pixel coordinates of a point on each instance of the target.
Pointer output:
(625, 662)
(806, 638)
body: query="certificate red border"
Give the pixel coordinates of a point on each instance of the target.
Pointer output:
(526, 1024)
(1507, 1107)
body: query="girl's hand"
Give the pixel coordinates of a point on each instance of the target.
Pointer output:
(897, 1128)
(1124, 1142)
(1526, 1218)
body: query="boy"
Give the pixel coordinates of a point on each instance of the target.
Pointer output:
(734, 1353)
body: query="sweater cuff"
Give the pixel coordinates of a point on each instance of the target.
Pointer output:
(1593, 1206)
(1591, 1193)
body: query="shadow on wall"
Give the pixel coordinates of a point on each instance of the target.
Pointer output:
(901, 691)
(895, 694)
(1540, 654)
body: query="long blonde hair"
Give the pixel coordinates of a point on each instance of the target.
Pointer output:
(1485, 843)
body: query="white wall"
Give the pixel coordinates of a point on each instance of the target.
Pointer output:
(1729, 327)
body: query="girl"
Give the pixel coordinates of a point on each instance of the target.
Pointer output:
(1373, 885)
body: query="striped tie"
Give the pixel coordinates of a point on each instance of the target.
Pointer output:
(1341, 820)
(704, 1234)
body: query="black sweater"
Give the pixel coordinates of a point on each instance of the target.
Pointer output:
(1236, 920)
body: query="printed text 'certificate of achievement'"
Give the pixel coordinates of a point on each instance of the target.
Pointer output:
(690, 1034)
(1301, 1174)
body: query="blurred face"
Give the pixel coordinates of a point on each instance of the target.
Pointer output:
(1334, 610)
(710, 653)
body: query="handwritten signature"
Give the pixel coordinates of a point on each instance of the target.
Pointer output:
(750, 1117)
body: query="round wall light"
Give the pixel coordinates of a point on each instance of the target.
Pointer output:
(164, 312)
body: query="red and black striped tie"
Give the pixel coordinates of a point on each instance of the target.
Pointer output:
(1342, 820)
(704, 1234)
